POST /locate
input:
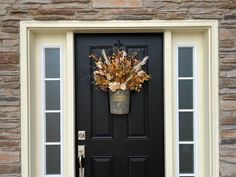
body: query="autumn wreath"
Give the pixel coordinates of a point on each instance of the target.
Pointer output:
(120, 71)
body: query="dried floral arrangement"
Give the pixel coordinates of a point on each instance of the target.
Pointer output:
(120, 71)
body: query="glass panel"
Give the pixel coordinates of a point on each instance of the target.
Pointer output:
(186, 161)
(53, 127)
(185, 94)
(186, 126)
(53, 159)
(52, 95)
(185, 61)
(52, 62)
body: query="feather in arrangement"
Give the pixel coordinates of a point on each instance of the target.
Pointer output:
(120, 71)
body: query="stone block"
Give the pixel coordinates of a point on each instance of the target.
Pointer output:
(13, 49)
(9, 73)
(222, 74)
(9, 157)
(133, 17)
(227, 114)
(172, 14)
(230, 17)
(35, 1)
(227, 44)
(9, 58)
(225, 4)
(10, 168)
(226, 67)
(9, 143)
(232, 73)
(228, 121)
(7, 1)
(9, 67)
(228, 58)
(4, 6)
(69, 5)
(94, 17)
(12, 135)
(15, 130)
(3, 12)
(25, 6)
(228, 127)
(229, 97)
(6, 35)
(10, 43)
(117, 3)
(166, 5)
(228, 134)
(227, 169)
(9, 78)
(10, 85)
(228, 105)
(201, 13)
(11, 30)
(228, 83)
(10, 24)
(53, 17)
(10, 103)
(12, 115)
(134, 11)
(68, 1)
(11, 175)
(227, 34)
(149, 4)
(52, 11)
(228, 145)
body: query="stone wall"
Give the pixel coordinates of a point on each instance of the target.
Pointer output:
(13, 11)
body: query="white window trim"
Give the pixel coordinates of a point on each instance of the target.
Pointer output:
(194, 110)
(69, 27)
(44, 110)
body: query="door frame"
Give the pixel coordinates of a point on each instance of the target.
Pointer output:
(28, 29)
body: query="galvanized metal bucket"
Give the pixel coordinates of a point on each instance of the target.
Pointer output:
(119, 101)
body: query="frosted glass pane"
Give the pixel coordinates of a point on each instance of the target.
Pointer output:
(186, 158)
(52, 62)
(186, 126)
(53, 95)
(53, 127)
(185, 61)
(185, 94)
(53, 159)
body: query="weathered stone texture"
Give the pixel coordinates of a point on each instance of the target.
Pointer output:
(9, 58)
(67, 1)
(227, 158)
(116, 3)
(50, 11)
(35, 1)
(13, 11)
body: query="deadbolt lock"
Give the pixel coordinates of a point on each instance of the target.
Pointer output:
(81, 135)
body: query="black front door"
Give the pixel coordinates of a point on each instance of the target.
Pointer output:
(120, 146)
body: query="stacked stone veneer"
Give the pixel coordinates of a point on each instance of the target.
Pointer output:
(13, 11)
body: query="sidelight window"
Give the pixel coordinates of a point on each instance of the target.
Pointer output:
(52, 111)
(186, 111)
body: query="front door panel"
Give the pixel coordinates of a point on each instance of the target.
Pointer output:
(126, 145)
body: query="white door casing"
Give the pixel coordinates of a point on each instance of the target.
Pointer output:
(202, 33)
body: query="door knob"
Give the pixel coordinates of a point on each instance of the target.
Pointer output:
(81, 156)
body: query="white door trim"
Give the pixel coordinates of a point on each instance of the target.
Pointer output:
(208, 27)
